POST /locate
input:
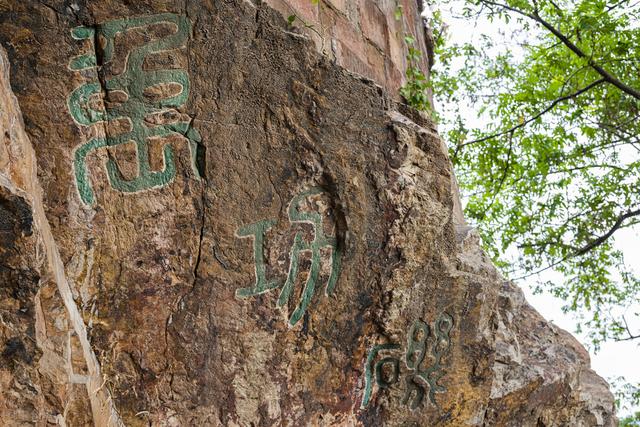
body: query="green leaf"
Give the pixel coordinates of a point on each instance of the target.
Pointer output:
(550, 166)
(398, 13)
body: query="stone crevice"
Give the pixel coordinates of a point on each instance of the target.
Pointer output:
(101, 402)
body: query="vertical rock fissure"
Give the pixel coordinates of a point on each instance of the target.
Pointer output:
(100, 398)
(201, 237)
(102, 406)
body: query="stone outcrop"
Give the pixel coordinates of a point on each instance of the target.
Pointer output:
(204, 221)
(364, 36)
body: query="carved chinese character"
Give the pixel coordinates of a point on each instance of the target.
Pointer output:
(419, 380)
(145, 99)
(320, 241)
(257, 230)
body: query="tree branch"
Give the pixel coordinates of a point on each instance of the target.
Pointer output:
(537, 116)
(558, 9)
(600, 240)
(589, 246)
(505, 173)
(615, 5)
(630, 336)
(607, 76)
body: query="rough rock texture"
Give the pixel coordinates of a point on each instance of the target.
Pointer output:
(49, 372)
(226, 228)
(364, 36)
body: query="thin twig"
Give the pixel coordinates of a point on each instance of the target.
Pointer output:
(537, 116)
(589, 246)
(606, 75)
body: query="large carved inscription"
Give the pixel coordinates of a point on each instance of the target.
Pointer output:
(320, 241)
(135, 104)
(132, 103)
(424, 352)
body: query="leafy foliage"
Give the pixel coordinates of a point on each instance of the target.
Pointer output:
(415, 90)
(555, 174)
(631, 420)
(627, 396)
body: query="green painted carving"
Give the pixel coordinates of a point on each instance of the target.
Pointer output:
(299, 245)
(83, 62)
(79, 98)
(395, 364)
(417, 379)
(368, 375)
(416, 347)
(412, 387)
(319, 242)
(83, 33)
(257, 231)
(137, 107)
(440, 348)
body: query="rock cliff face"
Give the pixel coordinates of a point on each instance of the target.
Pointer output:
(206, 222)
(364, 36)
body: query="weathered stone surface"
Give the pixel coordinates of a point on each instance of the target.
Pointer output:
(226, 228)
(41, 324)
(364, 36)
(540, 373)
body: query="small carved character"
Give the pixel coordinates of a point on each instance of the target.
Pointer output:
(420, 339)
(319, 242)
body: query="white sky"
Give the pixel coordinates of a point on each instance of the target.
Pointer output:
(615, 359)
